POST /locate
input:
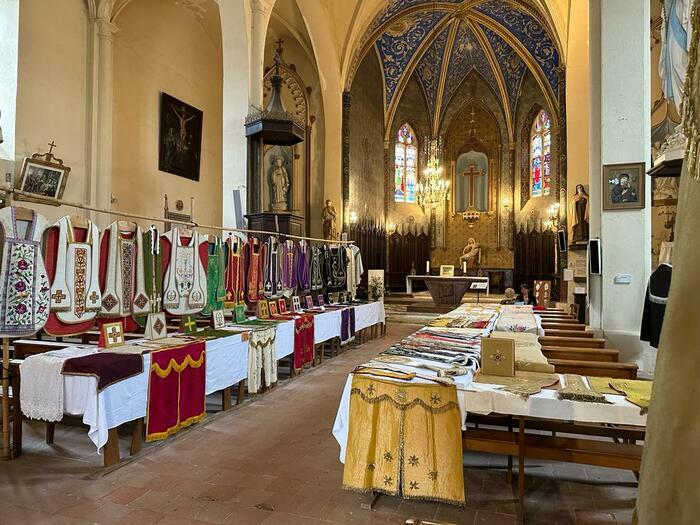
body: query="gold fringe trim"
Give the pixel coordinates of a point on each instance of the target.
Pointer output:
(173, 365)
(577, 390)
(175, 429)
(404, 406)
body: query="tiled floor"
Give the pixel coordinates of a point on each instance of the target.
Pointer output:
(274, 460)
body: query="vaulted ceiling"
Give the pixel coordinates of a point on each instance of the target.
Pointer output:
(442, 41)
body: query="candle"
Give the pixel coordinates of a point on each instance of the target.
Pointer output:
(427, 267)
(464, 267)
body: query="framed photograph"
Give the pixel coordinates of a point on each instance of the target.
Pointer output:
(112, 334)
(623, 186)
(180, 140)
(309, 302)
(44, 177)
(447, 270)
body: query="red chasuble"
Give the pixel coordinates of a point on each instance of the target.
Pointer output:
(54, 326)
(303, 340)
(176, 390)
(254, 256)
(235, 278)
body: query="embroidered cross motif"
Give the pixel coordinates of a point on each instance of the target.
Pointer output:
(497, 357)
(434, 398)
(401, 394)
(94, 296)
(413, 461)
(141, 301)
(433, 475)
(388, 480)
(370, 467)
(413, 485)
(109, 302)
(158, 326)
(190, 324)
(58, 296)
(114, 335)
(370, 390)
(388, 456)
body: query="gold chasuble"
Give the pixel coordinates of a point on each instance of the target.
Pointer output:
(404, 439)
(669, 492)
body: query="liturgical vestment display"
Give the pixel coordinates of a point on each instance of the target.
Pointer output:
(235, 287)
(24, 293)
(185, 280)
(216, 275)
(255, 252)
(272, 269)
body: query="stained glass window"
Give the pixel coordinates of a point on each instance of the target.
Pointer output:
(540, 155)
(405, 165)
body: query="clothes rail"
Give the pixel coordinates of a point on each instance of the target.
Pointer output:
(60, 202)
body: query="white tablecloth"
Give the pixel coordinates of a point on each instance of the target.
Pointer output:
(369, 314)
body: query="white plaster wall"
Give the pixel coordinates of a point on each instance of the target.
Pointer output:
(9, 22)
(624, 137)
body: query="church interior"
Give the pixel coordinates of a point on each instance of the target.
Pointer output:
(349, 262)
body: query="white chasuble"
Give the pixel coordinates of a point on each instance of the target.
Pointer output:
(124, 291)
(24, 294)
(185, 281)
(75, 291)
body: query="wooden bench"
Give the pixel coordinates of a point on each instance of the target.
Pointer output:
(568, 333)
(608, 355)
(552, 325)
(595, 368)
(579, 342)
(93, 336)
(26, 347)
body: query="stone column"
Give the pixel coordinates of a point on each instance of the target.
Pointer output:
(260, 11)
(347, 101)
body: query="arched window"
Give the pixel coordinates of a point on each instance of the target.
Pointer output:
(540, 155)
(405, 164)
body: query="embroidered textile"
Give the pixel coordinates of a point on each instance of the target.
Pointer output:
(636, 391)
(107, 367)
(404, 439)
(176, 389)
(316, 269)
(576, 389)
(255, 253)
(272, 269)
(355, 269)
(303, 267)
(24, 295)
(303, 340)
(335, 268)
(235, 287)
(347, 325)
(262, 358)
(185, 282)
(153, 273)
(524, 384)
(216, 288)
(288, 268)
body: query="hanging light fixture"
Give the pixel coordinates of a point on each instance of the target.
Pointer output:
(433, 190)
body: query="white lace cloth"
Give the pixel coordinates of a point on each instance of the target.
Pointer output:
(42, 392)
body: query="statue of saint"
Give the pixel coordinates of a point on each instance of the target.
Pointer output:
(329, 215)
(280, 186)
(578, 211)
(471, 254)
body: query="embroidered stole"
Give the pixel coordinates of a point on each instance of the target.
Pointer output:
(351, 277)
(75, 292)
(24, 296)
(303, 269)
(185, 282)
(234, 272)
(273, 277)
(255, 252)
(124, 291)
(289, 257)
(335, 266)
(216, 291)
(316, 269)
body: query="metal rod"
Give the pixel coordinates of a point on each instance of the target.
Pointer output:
(60, 202)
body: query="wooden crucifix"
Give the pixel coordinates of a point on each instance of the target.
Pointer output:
(473, 173)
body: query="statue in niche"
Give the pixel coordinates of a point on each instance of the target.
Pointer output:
(329, 216)
(471, 254)
(578, 211)
(280, 186)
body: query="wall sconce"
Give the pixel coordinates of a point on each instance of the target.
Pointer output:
(553, 216)
(353, 217)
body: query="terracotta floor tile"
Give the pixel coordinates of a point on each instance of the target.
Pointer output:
(125, 494)
(141, 516)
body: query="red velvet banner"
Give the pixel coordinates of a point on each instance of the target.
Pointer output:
(303, 340)
(176, 389)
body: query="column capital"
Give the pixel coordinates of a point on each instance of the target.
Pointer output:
(262, 7)
(105, 28)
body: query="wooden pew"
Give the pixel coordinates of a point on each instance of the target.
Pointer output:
(569, 333)
(561, 320)
(579, 342)
(595, 368)
(610, 355)
(93, 336)
(552, 325)
(25, 347)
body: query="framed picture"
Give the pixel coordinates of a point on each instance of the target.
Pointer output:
(282, 303)
(321, 302)
(309, 302)
(180, 140)
(44, 177)
(447, 270)
(188, 324)
(296, 304)
(218, 319)
(239, 312)
(113, 334)
(263, 311)
(272, 306)
(623, 186)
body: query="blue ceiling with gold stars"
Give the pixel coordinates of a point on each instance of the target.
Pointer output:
(443, 41)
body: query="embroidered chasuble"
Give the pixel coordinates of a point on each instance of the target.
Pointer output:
(235, 287)
(303, 267)
(185, 280)
(176, 389)
(254, 254)
(347, 325)
(404, 439)
(272, 269)
(122, 276)
(262, 358)
(288, 267)
(335, 268)
(72, 265)
(216, 289)
(316, 269)
(24, 294)
(355, 269)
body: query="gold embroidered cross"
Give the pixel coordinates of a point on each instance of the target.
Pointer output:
(58, 296)
(498, 358)
(94, 297)
(114, 335)
(190, 324)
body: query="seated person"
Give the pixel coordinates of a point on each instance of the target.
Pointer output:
(510, 297)
(525, 297)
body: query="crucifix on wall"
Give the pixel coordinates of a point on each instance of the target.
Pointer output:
(471, 182)
(472, 174)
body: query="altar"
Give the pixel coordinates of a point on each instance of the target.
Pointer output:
(448, 291)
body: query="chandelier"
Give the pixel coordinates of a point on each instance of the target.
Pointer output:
(433, 190)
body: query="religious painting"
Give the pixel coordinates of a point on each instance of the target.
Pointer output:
(623, 186)
(112, 334)
(471, 182)
(447, 270)
(180, 142)
(540, 155)
(279, 169)
(43, 178)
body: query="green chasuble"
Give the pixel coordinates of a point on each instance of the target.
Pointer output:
(216, 290)
(153, 272)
